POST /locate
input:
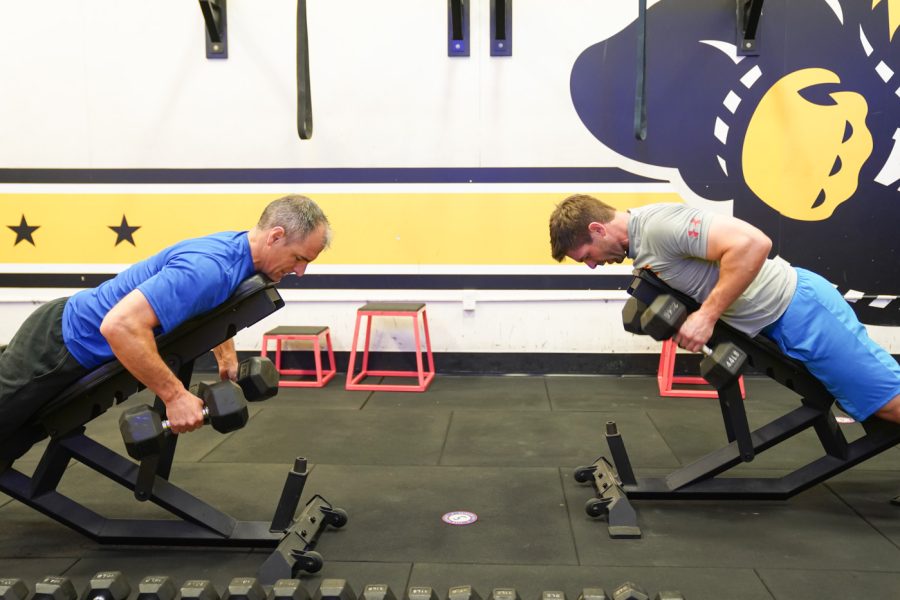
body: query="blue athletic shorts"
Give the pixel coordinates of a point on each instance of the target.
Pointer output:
(821, 330)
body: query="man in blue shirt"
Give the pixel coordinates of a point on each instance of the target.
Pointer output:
(65, 339)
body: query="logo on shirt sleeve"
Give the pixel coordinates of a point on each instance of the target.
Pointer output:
(694, 227)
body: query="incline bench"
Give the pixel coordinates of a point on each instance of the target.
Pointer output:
(63, 419)
(614, 483)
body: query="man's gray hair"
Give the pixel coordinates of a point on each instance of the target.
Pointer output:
(298, 215)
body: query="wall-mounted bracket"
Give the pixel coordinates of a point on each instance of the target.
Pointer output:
(304, 94)
(458, 27)
(501, 27)
(214, 15)
(748, 13)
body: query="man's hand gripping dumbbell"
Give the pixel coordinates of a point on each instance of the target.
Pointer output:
(662, 319)
(144, 431)
(224, 407)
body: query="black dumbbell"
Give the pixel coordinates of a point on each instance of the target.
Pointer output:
(244, 588)
(504, 594)
(157, 587)
(377, 591)
(334, 589)
(630, 591)
(631, 315)
(54, 588)
(13, 589)
(258, 378)
(107, 585)
(463, 592)
(289, 589)
(664, 317)
(198, 589)
(421, 592)
(593, 594)
(144, 431)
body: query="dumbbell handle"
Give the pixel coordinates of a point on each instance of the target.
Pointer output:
(168, 426)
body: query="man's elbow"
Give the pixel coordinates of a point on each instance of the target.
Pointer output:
(765, 245)
(113, 329)
(757, 244)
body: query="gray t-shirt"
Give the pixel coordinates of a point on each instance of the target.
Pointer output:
(671, 240)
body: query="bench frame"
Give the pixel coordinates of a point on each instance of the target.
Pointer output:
(699, 480)
(64, 419)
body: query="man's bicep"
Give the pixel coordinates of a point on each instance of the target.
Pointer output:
(134, 308)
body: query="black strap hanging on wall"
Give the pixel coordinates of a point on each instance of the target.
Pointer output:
(748, 13)
(640, 84)
(304, 95)
(214, 16)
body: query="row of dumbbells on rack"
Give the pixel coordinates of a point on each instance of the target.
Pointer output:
(144, 431)
(663, 318)
(113, 585)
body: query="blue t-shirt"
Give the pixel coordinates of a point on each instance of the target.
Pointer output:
(182, 281)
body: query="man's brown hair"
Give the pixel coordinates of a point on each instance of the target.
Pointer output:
(570, 219)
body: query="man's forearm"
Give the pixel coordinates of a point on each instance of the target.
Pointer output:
(226, 358)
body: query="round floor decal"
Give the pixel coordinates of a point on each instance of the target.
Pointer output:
(459, 517)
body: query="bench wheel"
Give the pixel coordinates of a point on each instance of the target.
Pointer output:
(595, 507)
(311, 562)
(584, 474)
(337, 518)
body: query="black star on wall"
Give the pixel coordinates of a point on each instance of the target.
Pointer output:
(124, 231)
(24, 231)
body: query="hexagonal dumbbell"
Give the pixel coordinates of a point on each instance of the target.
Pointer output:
(244, 588)
(258, 378)
(289, 589)
(377, 591)
(144, 431)
(665, 316)
(421, 592)
(630, 591)
(198, 589)
(505, 593)
(593, 594)
(631, 315)
(334, 589)
(54, 588)
(157, 587)
(462, 592)
(13, 589)
(107, 585)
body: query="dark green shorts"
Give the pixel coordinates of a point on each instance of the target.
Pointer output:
(35, 367)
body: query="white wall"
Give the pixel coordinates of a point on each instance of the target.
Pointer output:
(126, 84)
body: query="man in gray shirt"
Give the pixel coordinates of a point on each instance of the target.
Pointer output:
(723, 263)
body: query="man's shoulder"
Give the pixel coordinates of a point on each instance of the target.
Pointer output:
(661, 209)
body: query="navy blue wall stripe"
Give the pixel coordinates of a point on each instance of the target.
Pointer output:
(199, 176)
(366, 282)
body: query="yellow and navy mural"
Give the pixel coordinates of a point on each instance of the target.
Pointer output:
(803, 137)
(440, 172)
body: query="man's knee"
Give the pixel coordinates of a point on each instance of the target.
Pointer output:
(890, 411)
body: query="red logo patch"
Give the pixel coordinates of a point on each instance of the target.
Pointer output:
(694, 227)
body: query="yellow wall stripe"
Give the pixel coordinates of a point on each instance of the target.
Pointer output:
(420, 228)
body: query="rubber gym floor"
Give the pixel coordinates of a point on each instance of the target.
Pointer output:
(504, 448)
